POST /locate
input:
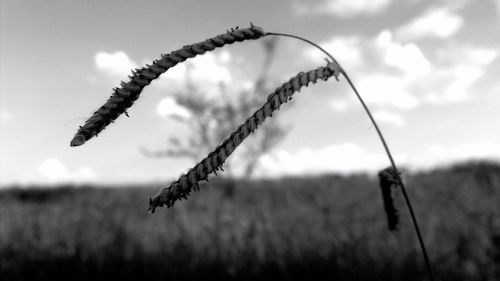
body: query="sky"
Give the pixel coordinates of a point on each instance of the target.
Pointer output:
(428, 70)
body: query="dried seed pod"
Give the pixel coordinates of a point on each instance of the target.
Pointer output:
(217, 157)
(387, 179)
(141, 77)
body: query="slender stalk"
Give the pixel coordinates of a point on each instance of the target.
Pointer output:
(384, 143)
(401, 183)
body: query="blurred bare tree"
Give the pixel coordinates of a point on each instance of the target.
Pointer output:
(210, 122)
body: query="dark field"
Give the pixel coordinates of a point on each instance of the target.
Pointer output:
(319, 228)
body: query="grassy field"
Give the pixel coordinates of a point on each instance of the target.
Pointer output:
(320, 228)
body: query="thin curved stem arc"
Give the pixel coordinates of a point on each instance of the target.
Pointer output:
(382, 139)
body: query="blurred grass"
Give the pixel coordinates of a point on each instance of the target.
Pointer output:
(325, 227)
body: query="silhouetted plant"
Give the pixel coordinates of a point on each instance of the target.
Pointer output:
(209, 122)
(124, 97)
(387, 180)
(181, 188)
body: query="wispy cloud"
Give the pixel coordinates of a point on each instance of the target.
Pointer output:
(210, 68)
(168, 107)
(443, 154)
(347, 49)
(408, 58)
(346, 157)
(436, 22)
(340, 105)
(461, 67)
(349, 157)
(386, 90)
(391, 118)
(386, 67)
(342, 8)
(391, 73)
(114, 64)
(52, 171)
(206, 72)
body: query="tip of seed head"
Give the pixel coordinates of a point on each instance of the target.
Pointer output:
(77, 140)
(151, 207)
(257, 28)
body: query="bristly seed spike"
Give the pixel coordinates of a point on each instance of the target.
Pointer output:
(217, 157)
(143, 76)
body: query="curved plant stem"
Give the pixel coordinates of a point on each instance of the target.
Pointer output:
(384, 143)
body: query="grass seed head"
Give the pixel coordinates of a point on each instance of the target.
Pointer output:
(124, 96)
(181, 188)
(388, 179)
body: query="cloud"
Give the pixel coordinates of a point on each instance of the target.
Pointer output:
(461, 67)
(343, 158)
(387, 117)
(455, 69)
(406, 57)
(206, 72)
(436, 22)
(365, 54)
(348, 158)
(397, 67)
(391, 73)
(438, 154)
(210, 67)
(346, 49)
(340, 105)
(169, 107)
(464, 77)
(342, 8)
(114, 64)
(389, 87)
(386, 90)
(54, 171)
(225, 56)
(467, 54)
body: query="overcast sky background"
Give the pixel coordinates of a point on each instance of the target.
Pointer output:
(429, 70)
